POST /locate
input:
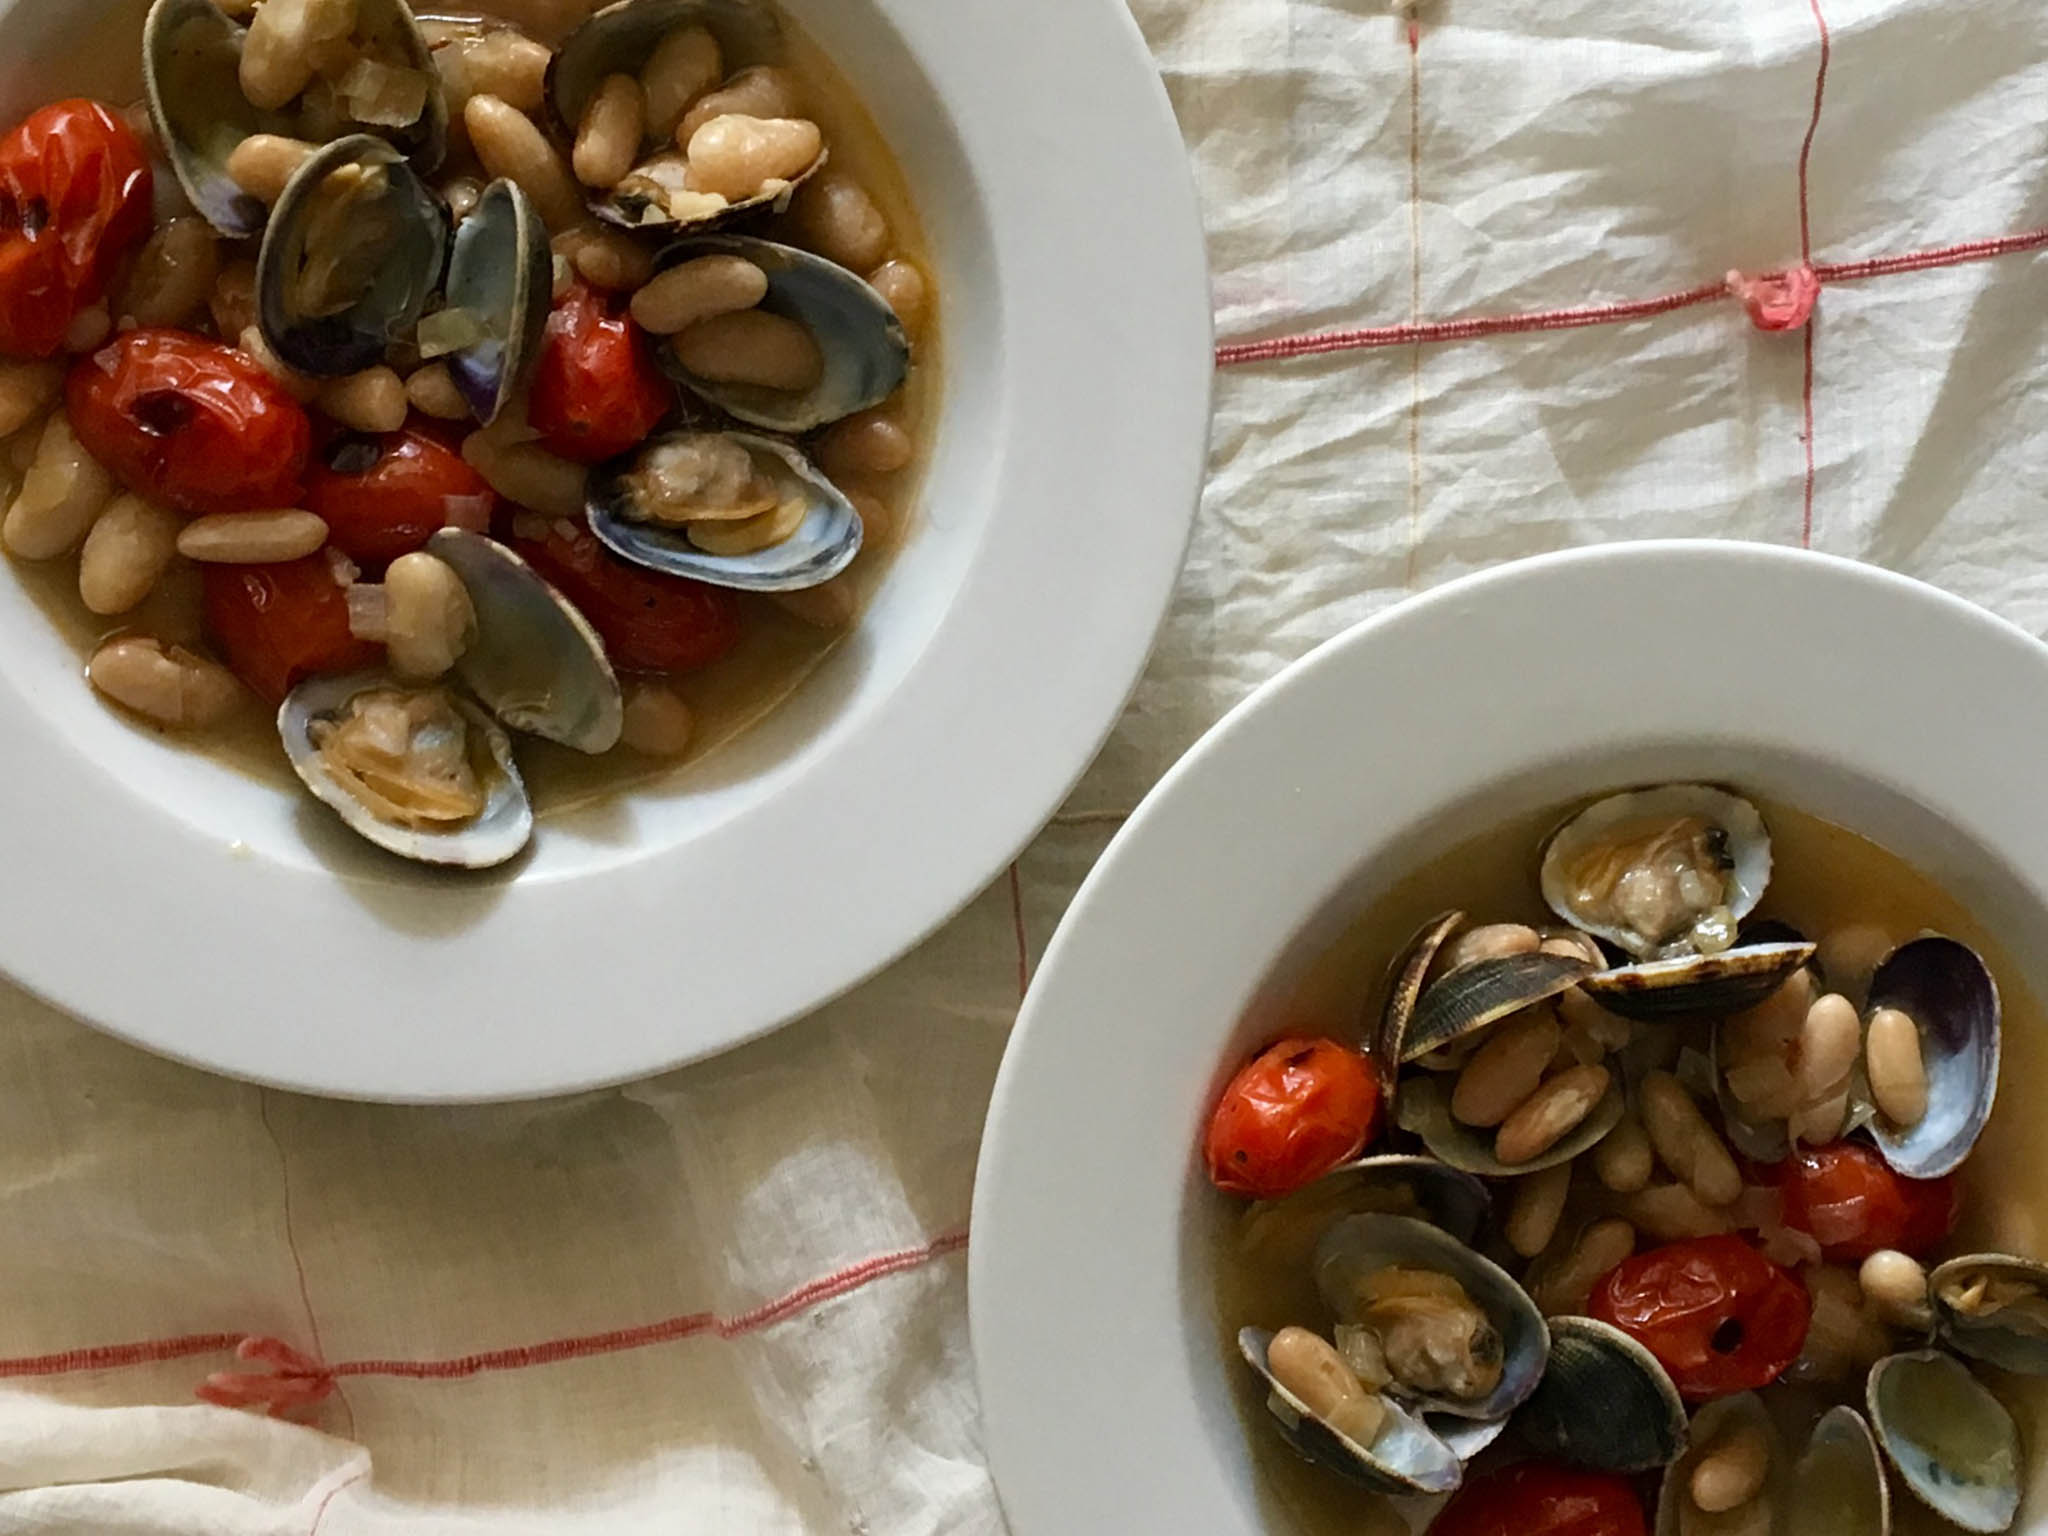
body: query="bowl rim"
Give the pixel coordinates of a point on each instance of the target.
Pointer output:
(1093, 1334)
(373, 984)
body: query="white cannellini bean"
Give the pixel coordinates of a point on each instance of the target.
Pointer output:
(868, 443)
(280, 48)
(1686, 1144)
(1550, 1114)
(1818, 1124)
(1730, 1472)
(1603, 1245)
(751, 346)
(1536, 1209)
(1828, 1042)
(737, 157)
(608, 138)
(26, 391)
(762, 90)
(1489, 941)
(173, 273)
(879, 524)
(252, 538)
(1623, 1159)
(903, 289)
(126, 554)
(88, 328)
(1848, 956)
(1895, 1287)
(507, 65)
(433, 391)
(63, 492)
(526, 473)
(683, 67)
(605, 257)
(1668, 1212)
(658, 722)
(1898, 1074)
(1507, 1069)
(509, 145)
(302, 387)
(696, 290)
(262, 163)
(164, 683)
(1309, 1366)
(371, 401)
(835, 217)
(429, 620)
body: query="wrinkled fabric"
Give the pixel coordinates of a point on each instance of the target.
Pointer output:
(1516, 159)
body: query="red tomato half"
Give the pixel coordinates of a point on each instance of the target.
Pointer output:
(382, 497)
(1293, 1112)
(648, 621)
(188, 423)
(74, 196)
(1850, 1202)
(1540, 1498)
(596, 390)
(1718, 1315)
(278, 624)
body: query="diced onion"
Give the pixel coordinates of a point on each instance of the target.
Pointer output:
(449, 330)
(471, 512)
(368, 614)
(379, 94)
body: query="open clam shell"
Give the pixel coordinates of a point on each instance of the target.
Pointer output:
(1679, 1514)
(1952, 1443)
(1603, 1402)
(1578, 878)
(1704, 985)
(1949, 993)
(1405, 980)
(1993, 1307)
(499, 272)
(1483, 993)
(1838, 1486)
(536, 663)
(352, 253)
(191, 60)
(822, 546)
(1406, 1457)
(1423, 1107)
(866, 353)
(1359, 1246)
(1285, 1231)
(505, 825)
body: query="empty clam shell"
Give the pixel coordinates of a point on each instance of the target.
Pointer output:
(1394, 1184)
(1423, 1107)
(1949, 993)
(866, 353)
(1603, 1402)
(499, 272)
(1678, 1511)
(822, 546)
(1357, 1247)
(1582, 860)
(1838, 1486)
(1949, 1439)
(1483, 993)
(536, 663)
(1406, 1457)
(191, 60)
(352, 253)
(496, 834)
(1994, 1307)
(1405, 979)
(1698, 984)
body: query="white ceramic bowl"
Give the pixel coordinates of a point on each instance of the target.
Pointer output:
(235, 926)
(1865, 698)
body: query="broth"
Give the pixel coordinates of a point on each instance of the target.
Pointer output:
(1823, 876)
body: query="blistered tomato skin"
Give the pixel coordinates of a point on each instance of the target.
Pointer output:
(188, 423)
(1294, 1112)
(1848, 1199)
(648, 622)
(596, 389)
(1539, 1498)
(382, 497)
(74, 198)
(276, 625)
(1718, 1315)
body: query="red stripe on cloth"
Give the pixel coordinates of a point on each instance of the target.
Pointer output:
(320, 1510)
(1820, 91)
(291, 1243)
(1939, 256)
(1414, 298)
(108, 1357)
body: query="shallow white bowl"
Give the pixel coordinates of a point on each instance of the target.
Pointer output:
(1873, 701)
(235, 926)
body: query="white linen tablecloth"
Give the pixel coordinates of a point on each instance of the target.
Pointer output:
(733, 1299)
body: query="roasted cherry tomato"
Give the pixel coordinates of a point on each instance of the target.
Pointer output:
(188, 423)
(647, 620)
(1540, 1498)
(1849, 1201)
(277, 624)
(74, 196)
(1293, 1112)
(1718, 1315)
(383, 497)
(596, 390)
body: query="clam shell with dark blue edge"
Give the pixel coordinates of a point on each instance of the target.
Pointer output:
(1603, 1402)
(1406, 1457)
(499, 269)
(1924, 1406)
(2009, 1339)
(1696, 985)
(1950, 994)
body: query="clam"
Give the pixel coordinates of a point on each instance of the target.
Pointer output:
(1724, 983)
(1949, 994)
(1664, 871)
(535, 662)
(1405, 980)
(1838, 1486)
(1475, 996)
(1423, 1107)
(649, 506)
(191, 55)
(1679, 1511)
(865, 351)
(1285, 1231)
(496, 300)
(1603, 1402)
(1475, 1356)
(1405, 1457)
(353, 252)
(1951, 1442)
(420, 771)
(1993, 1307)
(1466, 1437)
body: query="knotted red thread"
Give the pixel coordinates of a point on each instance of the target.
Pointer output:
(1777, 301)
(294, 1383)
